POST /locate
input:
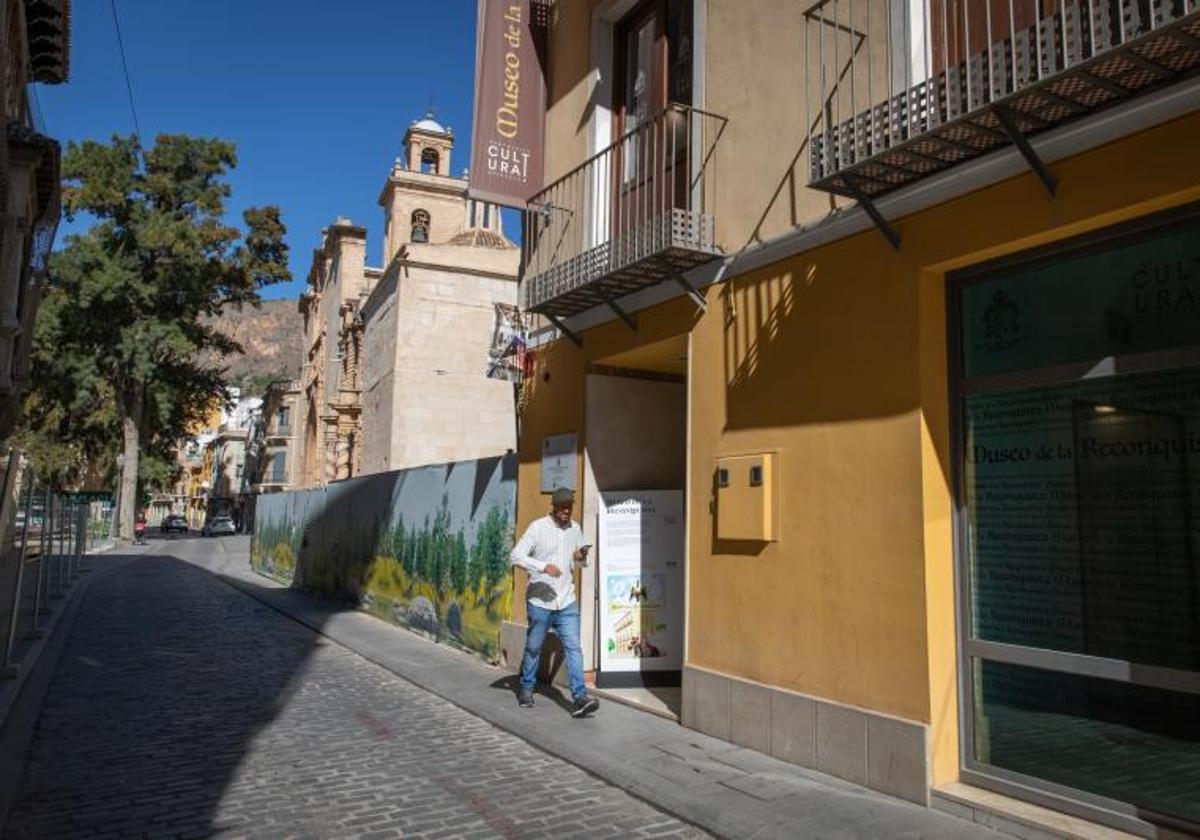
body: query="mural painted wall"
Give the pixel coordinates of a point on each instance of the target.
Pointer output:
(426, 548)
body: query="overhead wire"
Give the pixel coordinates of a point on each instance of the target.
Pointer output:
(137, 132)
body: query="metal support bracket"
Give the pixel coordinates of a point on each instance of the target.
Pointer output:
(630, 320)
(691, 292)
(574, 338)
(1009, 124)
(889, 232)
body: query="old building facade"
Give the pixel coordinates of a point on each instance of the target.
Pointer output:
(923, 379)
(35, 50)
(428, 323)
(330, 443)
(394, 368)
(272, 447)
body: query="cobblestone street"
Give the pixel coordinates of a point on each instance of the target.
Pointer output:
(181, 707)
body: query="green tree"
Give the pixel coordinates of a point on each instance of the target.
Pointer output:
(124, 317)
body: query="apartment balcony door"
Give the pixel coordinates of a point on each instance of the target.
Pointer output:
(643, 158)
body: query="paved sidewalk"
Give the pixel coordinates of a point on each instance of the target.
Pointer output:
(727, 790)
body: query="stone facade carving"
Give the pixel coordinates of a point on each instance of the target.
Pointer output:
(339, 280)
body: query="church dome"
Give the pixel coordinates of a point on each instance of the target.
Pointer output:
(481, 238)
(428, 123)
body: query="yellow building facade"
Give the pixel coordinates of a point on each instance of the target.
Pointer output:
(945, 611)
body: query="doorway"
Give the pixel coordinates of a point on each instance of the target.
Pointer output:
(635, 471)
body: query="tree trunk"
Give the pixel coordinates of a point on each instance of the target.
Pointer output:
(131, 425)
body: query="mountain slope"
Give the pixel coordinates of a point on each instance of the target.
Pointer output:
(272, 336)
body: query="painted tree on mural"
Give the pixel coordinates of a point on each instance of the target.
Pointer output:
(439, 554)
(422, 555)
(275, 547)
(459, 563)
(391, 544)
(490, 554)
(440, 558)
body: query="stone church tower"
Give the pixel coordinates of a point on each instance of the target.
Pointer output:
(393, 373)
(428, 322)
(422, 202)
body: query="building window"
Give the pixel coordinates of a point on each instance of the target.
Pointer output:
(679, 51)
(429, 161)
(420, 226)
(283, 420)
(1078, 404)
(279, 468)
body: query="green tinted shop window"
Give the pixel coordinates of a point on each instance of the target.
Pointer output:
(1083, 517)
(1125, 742)
(1137, 297)
(1079, 531)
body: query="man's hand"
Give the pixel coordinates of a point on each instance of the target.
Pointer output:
(552, 570)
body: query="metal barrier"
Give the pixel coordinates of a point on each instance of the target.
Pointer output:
(46, 535)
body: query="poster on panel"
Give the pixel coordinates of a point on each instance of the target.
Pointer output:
(641, 561)
(559, 459)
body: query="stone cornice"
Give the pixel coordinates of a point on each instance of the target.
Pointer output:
(423, 181)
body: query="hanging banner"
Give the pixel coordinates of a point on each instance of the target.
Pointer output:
(507, 141)
(641, 561)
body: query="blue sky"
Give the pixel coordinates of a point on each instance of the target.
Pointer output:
(316, 95)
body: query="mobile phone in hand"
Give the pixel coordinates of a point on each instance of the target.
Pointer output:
(583, 554)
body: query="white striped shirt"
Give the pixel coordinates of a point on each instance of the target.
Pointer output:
(544, 543)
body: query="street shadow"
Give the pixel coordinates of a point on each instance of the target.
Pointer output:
(164, 679)
(511, 683)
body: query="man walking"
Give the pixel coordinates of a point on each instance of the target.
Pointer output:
(549, 550)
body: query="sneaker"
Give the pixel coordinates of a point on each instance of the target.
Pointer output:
(584, 706)
(525, 699)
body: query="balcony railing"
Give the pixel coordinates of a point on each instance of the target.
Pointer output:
(637, 213)
(901, 89)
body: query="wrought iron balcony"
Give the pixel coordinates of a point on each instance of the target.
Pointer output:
(956, 79)
(635, 214)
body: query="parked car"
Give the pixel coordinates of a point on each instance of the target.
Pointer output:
(218, 525)
(174, 522)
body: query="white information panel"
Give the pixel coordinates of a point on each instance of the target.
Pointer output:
(641, 580)
(558, 462)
